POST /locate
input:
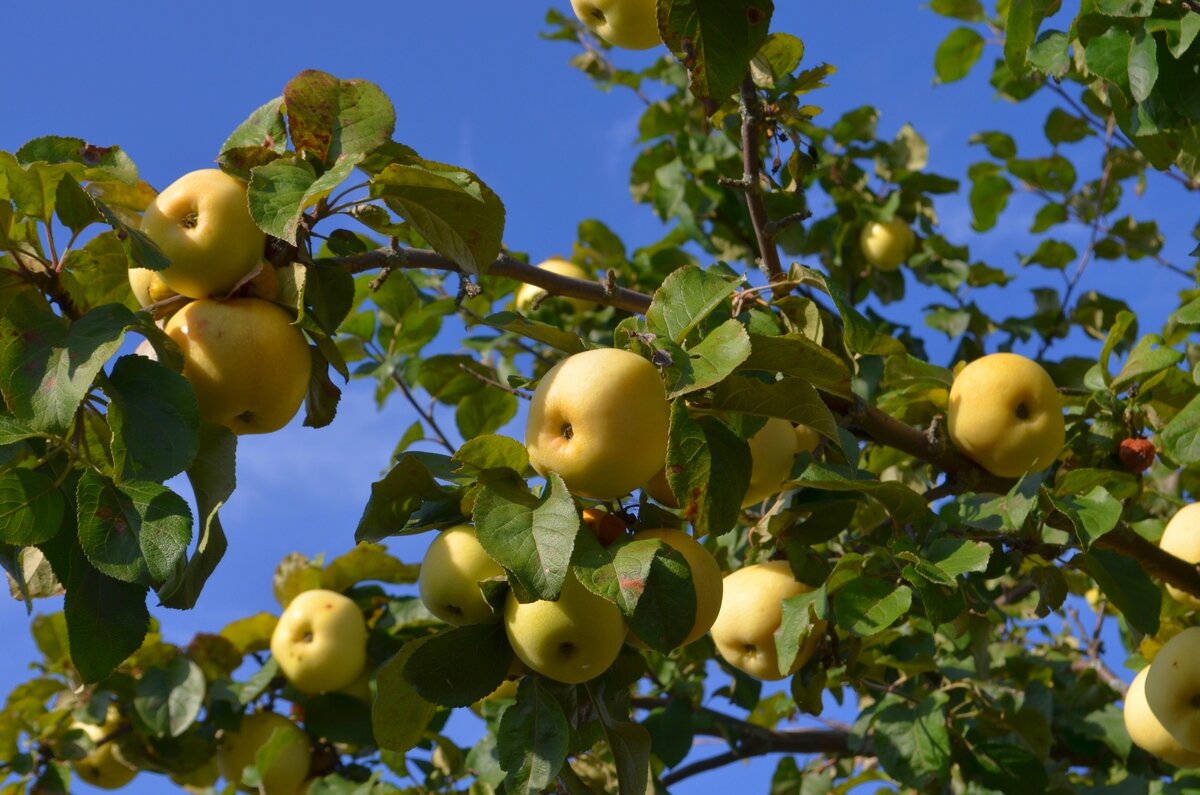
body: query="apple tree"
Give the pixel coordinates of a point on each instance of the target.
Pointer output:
(945, 569)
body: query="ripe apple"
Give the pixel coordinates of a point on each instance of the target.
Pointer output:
(246, 361)
(751, 612)
(320, 641)
(450, 574)
(1181, 538)
(772, 450)
(103, 766)
(706, 576)
(632, 24)
(148, 287)
(571, 640)
(237, 750)
(807, 439)
(507, 691)
(599, 419)
(607, 527)
(1147, 732)
(528, 293)
(1173, 688)
(659, 490)
(202, 223)
(886, 244)
(1006, 416)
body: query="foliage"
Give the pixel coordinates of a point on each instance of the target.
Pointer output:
(945, 589)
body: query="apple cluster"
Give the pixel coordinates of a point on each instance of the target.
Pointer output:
(216, 297)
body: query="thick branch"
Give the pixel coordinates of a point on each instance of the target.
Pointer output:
(752, 185)
(504, 265)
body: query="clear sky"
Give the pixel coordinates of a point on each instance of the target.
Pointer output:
(473, 85)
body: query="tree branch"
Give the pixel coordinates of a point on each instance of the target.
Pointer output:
(751, 185)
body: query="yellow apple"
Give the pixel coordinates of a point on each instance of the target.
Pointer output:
(772, 450)
(1006, 416)
(247, 362)
(751, 612)
(507, 691)
(659, 489)
(1173, 688)
(202, 223)
(599, 419)
(632, 24)
(450, 573)
(237, 750)
(886, 244)
(1181, 538)
(148, 287)
(807, 439)
(571, 640)
(103, 767)
(528, 293)
(1147, 732)
(706, 576)
(607, 527)
(320, 641)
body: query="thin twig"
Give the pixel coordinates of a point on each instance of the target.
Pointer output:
(493, 382)
(751, 108)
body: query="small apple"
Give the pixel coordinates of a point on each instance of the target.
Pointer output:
(751, 612)
(248, 364)
(1173, 688)
(454, 565)
(772, 450)
(264, 285)
(1006, 416)
(202, 223)
(599, 419)
(659, 490)
(1146, 731)
(507, 691)
(237, 750)
(706, 576)
(1181, 538)
(320, 641)
(571, 640)
(632, 24)
(148, 287)
(807, 440)
(886, 244)
(103, 766)
(607, 527)
(527, 294)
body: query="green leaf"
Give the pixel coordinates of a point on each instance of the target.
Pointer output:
(492, 452)
(802, 615)
(1051, 54)
(1062, 127)
(263, 128)
(280, 192)
(555, 337)
(330, 118)
(1127, 585)
(789, 398)
(484, 411)
(958, 556)
(1020, 29)
(904, 504)
(31, 507)
(779, 56)
(998, 144)
(867, 605)
(988, 198)
(399, 716)
(628, 742)
(154, 419)
(1143, 66)
(913, 742)
(1108, 56)
(169, 698)
(47, 365)
(107, 619)
(797, 355)
(1052, 254)
(533, 739)
(1149, 356)
(135, 532)
(709, 361)
(685, 299)
(708, 470)
(458, 667)
(1094, 514)
(139, 248)
(967, 10)
(715, 40)
(407, 500)
(75, 206)
(530, 536)
(957, 53)
(652, 584)
(1181, 436)
(460, 216)
(213, 479)
(366, 562)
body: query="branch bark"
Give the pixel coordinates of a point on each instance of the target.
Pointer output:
(751, 184)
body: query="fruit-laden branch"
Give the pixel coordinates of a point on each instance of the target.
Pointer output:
(962, 474)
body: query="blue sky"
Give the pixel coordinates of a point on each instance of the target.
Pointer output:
(473, 85)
